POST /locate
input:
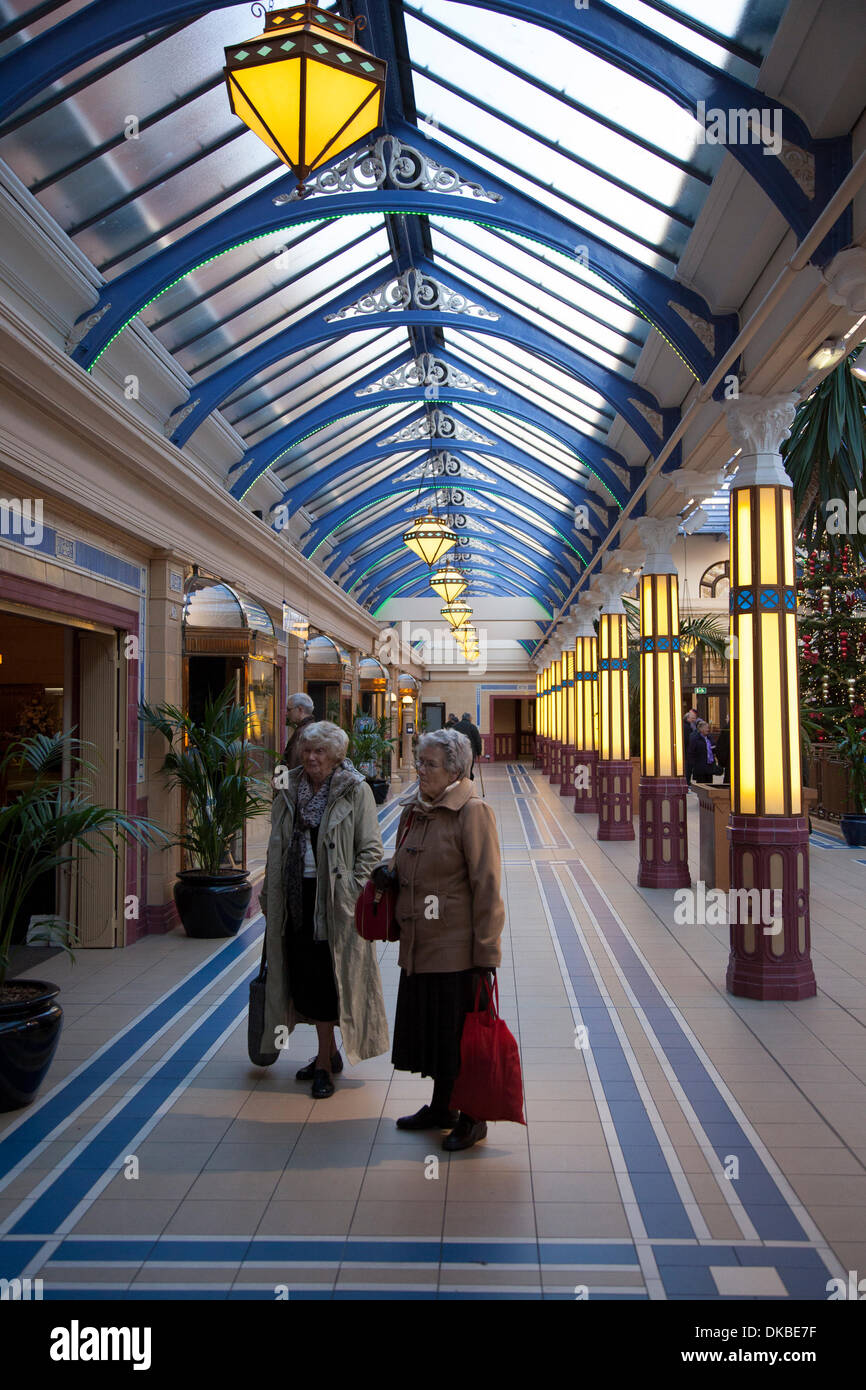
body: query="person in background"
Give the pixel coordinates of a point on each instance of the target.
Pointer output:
(722, 751)
(324, 843)
(465, 726)
(299, 712)
(450, 911)
(701, 759)
(689, 724)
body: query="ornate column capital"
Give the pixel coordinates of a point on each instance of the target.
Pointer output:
(657, 535)
(612, 587)
(845, 278)
(759, 425)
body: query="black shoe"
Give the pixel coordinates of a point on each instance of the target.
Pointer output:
(465, 1134)
(307, 1073)
(427, 1118)
(323, 1086)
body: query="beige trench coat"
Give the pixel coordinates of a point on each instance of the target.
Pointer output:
(349, 848)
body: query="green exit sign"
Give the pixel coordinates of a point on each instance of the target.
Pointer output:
(700, 690)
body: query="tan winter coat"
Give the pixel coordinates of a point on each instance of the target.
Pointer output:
(449, 904)
(349, 848)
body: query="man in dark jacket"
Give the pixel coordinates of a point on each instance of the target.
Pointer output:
(701, 760)
(465, 726)
(722, 750)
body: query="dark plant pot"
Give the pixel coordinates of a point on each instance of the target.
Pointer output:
(212, 905)
(379, 787)
(29, 1034)
(854, 830)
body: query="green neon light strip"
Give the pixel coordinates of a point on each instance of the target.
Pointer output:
(464, 487)
(307, 221)
(441, 400)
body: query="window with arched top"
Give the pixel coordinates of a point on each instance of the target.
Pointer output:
(715, 582)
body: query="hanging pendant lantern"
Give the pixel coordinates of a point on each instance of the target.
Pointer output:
(305, 87)
(429, 538)
(457, 614)
(449, 583)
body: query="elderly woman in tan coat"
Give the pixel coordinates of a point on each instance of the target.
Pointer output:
(451, 916)
(324, 843)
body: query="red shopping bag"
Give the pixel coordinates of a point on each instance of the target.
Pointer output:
(489, 1086)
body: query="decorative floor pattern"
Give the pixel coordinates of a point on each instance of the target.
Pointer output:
(680, 1143)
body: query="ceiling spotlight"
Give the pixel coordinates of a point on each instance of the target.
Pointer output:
(831, 351)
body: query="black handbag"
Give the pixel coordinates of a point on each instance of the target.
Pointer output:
(256, 1016)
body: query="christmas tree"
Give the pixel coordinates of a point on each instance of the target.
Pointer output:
(832, 638)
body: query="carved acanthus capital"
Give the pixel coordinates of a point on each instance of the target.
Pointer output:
(611, 587)
(657, 535)
(759, 425)
(846, 279)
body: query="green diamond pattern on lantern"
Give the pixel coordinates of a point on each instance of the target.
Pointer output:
(368, 67)
(264, 50)
(344, 58)
(289, 44)
(241, 54)
(341, 28)
(320, 47)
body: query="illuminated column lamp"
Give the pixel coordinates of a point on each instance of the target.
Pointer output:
(663, 860)
(544, 713)
(555, 769)
(566, 786)
(585, 773)
(768, 831)
(536, 757)
(305, 87)
(614, 767)
(449, 583)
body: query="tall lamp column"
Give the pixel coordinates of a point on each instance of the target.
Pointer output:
(586, 708)
(566, 786)
(539, 680)
(664, 848)
(555, 772)
(614, 764)
(768, 831)
(548, 712)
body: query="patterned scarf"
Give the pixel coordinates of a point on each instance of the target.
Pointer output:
(309, 809)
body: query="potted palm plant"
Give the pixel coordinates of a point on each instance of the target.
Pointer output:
(369, 745)
(46, 822)
(211, 762)
(850, 747)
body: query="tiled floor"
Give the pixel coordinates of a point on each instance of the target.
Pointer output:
(680, 1143)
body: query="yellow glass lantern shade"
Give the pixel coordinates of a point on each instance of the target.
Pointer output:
(305, 87)
(449, 583)
(457, 614)
(429, 538)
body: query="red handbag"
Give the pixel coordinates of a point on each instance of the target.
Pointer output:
(374, 909)
(490, 1086)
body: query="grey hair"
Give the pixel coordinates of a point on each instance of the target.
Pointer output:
(456, 750)
(333, 739)
(302, 699)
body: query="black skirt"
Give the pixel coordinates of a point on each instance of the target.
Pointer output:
(310, 969)
(429, 1021)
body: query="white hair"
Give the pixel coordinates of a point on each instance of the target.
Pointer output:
(332, 738)
(302, 699)
(456, 750)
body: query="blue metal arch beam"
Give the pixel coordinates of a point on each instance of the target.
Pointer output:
(652, 293)
(539, 582)
(688, 80)
(572, 490)
(598, 28)
(371, 575)
(383, 524)
(494, 498)
(347, 402)
(624, 395)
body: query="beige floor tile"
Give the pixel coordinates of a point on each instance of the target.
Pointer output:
(306, 1218)
(470, 1218)
(399, 1218)
(581, 1220)
(113, 1217)
(228, 1216)
(575, 1187)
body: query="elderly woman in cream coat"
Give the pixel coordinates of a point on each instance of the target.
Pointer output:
(323, 845)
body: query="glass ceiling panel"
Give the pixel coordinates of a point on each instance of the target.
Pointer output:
(552, 314)
(528, 379)
(526, 437)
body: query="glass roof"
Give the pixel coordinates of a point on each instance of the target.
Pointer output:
(583, 145)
